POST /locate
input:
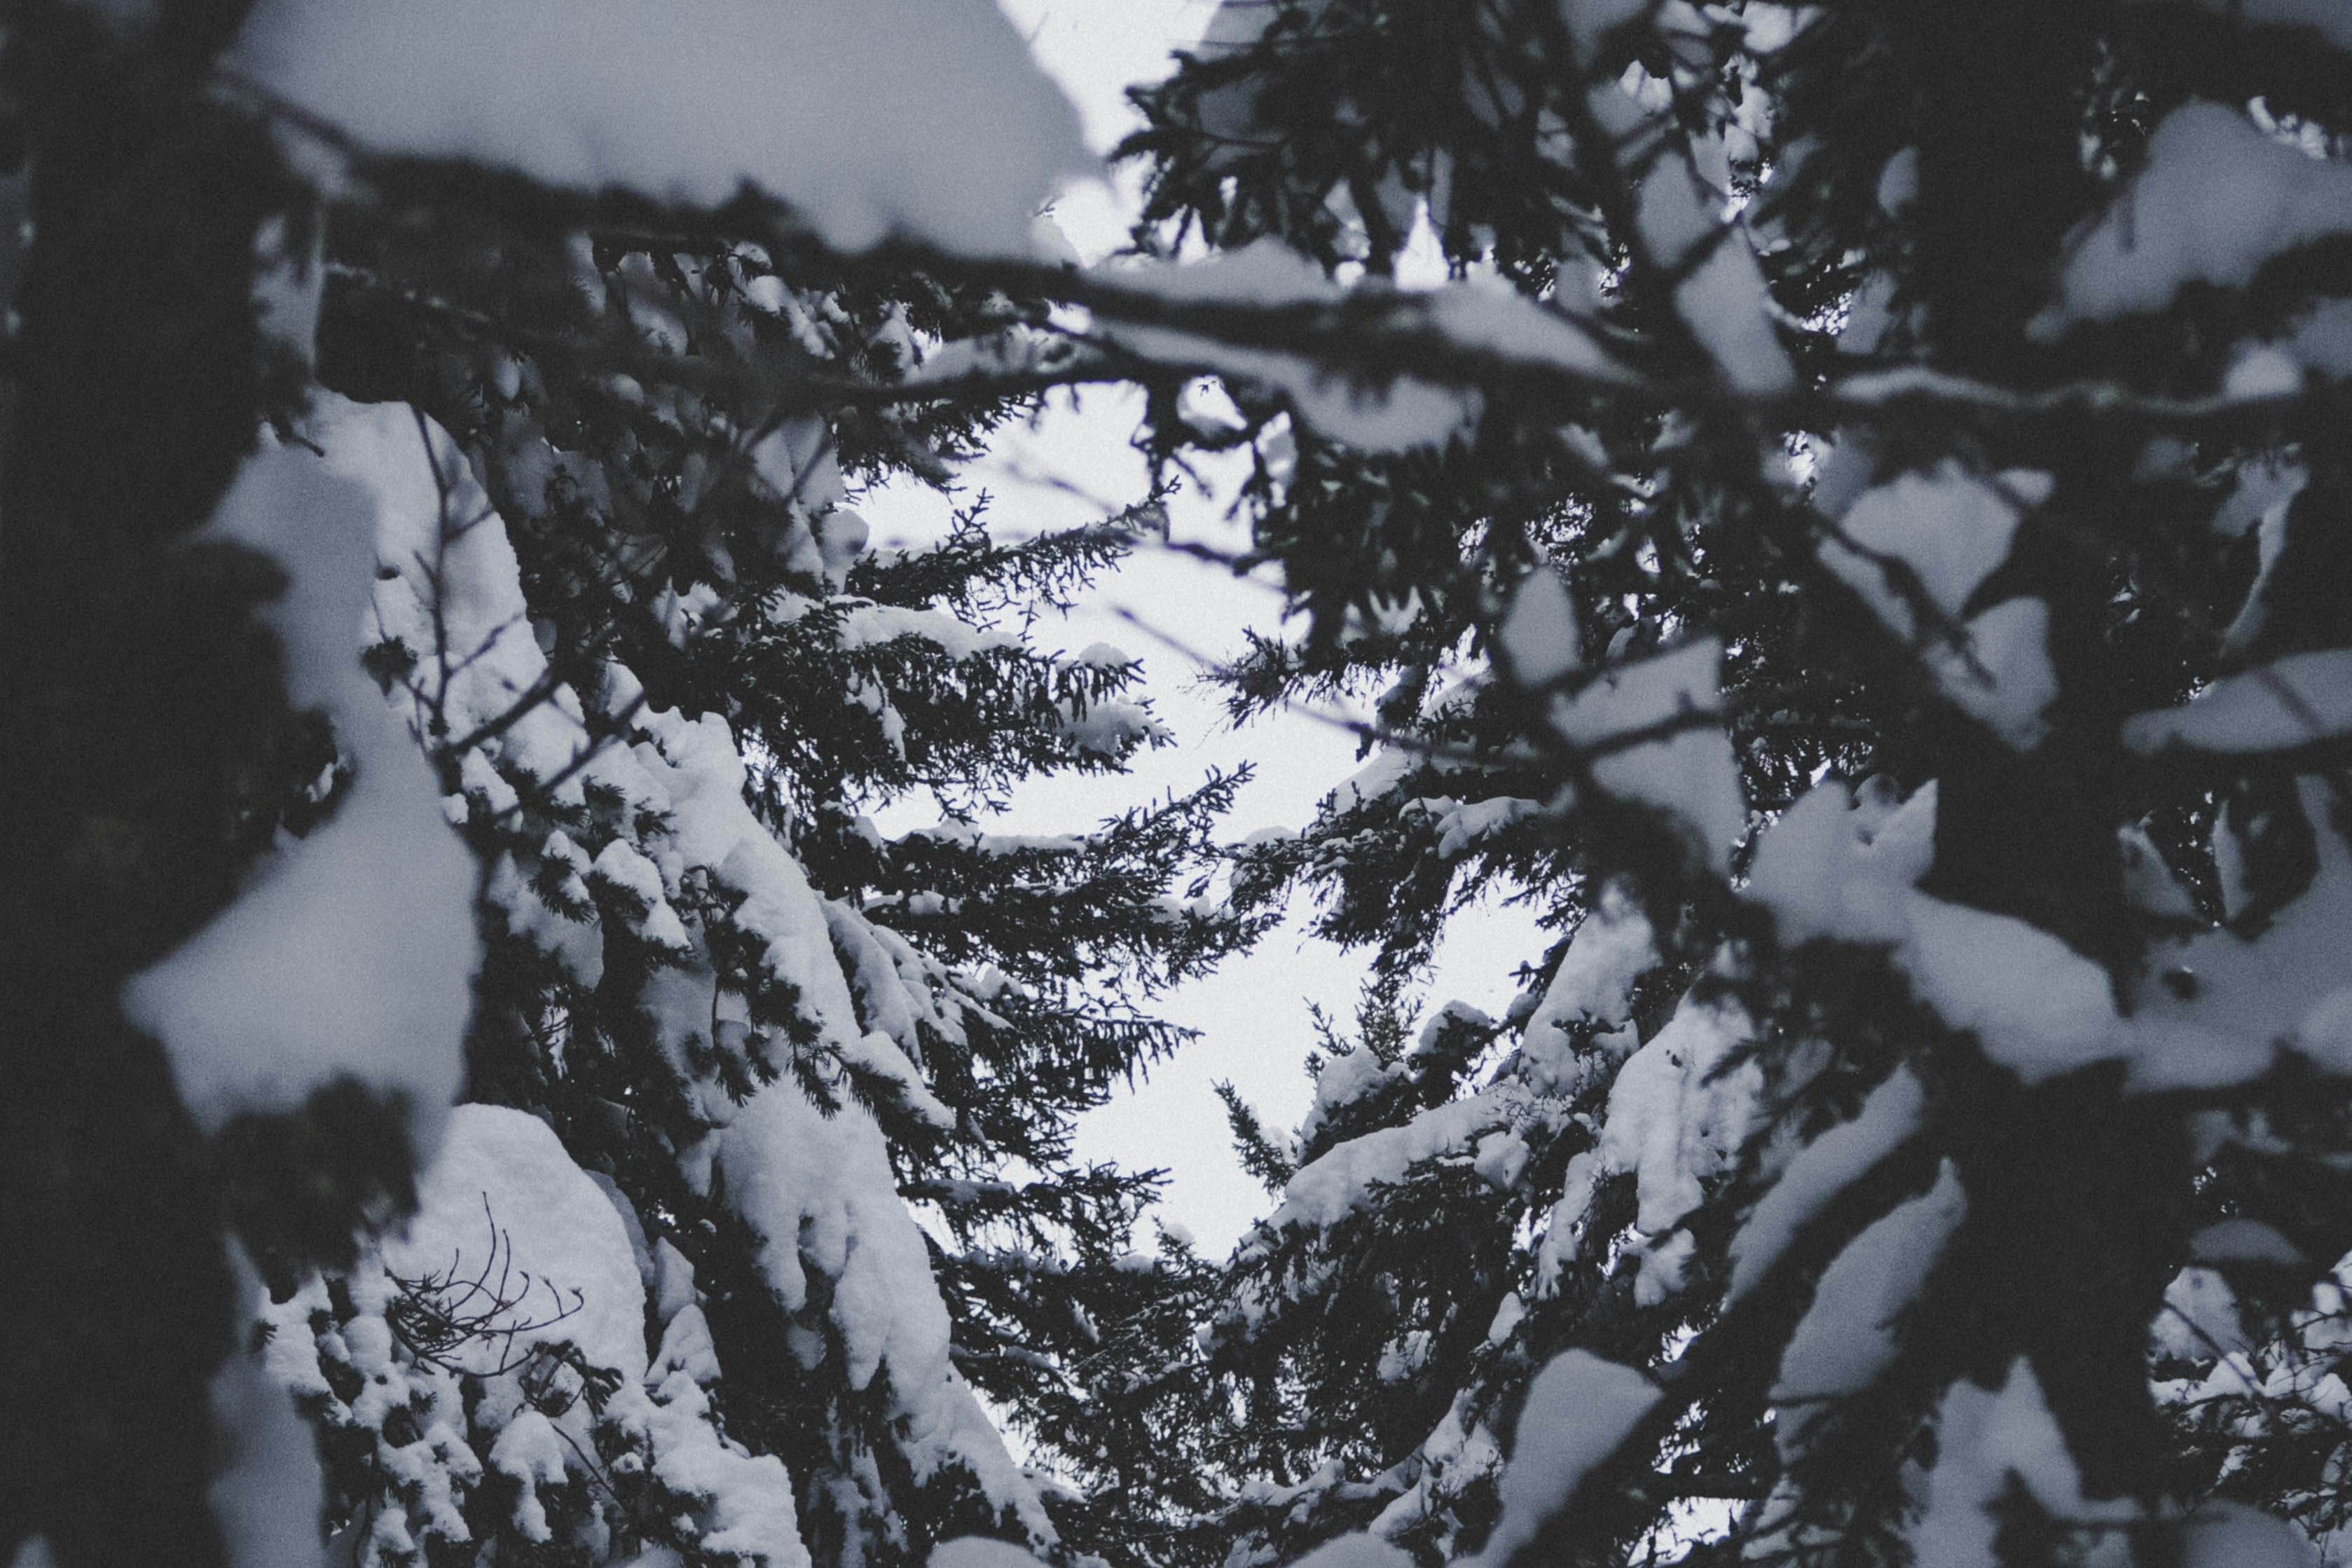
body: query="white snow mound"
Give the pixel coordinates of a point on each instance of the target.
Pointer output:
(923, 118)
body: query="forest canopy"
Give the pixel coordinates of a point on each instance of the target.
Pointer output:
(1857, 544)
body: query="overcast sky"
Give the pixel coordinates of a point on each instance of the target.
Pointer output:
(1071, 466)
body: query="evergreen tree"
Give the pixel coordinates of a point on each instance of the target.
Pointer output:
(976, 963)
(1858, 545)
(1881, 1221)
(762, 1181)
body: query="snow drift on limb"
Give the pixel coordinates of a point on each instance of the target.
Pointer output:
(923, 118)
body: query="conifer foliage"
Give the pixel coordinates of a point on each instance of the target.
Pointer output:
(1922, 1145)
(543, 679)
(1857, 543)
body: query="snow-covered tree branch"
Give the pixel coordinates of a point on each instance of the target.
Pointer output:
(1855, 540)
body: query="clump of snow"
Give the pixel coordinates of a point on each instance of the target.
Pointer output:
(925, 118)
(1264, 272)
(1458, 1454)
(1563, 1237)
(808, 1184)
(622, 866)
(1538, 636)
(1373, 413)
(577, 941)
(820, 1189)
(1834, 868)
(2225, 1535)
(1341, 1182)
(503, 1196)
(2250, 994)
(1443, 1025)
(2263, 497)
(1846, 1337)
(686, 1346)
(1389, 767)
(870, 626)
(1984, 1440)
(352, 954)
(1483, 313)
(1664, 1260)
(1821, 1170)
(980, 1552)
(749, 1497)
(712, 827)
(2199, 1317)
(1392, 414)
(1111, 728)
(1347, 1078)
(448, 582)
(1675, 1116)
(1830, 870)
(2217, 199)
(266, 1490)
(288, 284)
(1579, 1410)
(2243, 1240)
(2004, 678)
(1690, 773)
(2262, 370)
(1268, 275)
(797, 460)
(2266, 485)
(1501, 1158)
(880, 1055)
(1507, 1318)
(1721, 295)
(1613, 947)
(2321, 341)
(1462, 823)
(529, 1452)
(548, 1263)
(2291, 702)
(2035, 1004)
(1952, 530)
(1951, 527)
